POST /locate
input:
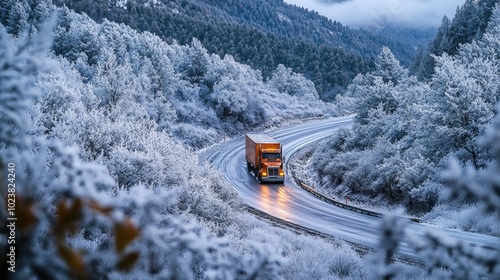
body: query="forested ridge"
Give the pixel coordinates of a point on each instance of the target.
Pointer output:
(261, 34)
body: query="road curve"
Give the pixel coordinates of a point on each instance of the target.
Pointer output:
(290, 203)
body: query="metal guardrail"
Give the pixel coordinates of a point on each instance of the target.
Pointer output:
(329, 200)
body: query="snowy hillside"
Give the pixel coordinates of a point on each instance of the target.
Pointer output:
(430, 147)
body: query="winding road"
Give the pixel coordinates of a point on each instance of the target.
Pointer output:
(290, 203)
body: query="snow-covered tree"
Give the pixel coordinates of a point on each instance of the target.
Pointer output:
(286, 81)
(17, 62)
(389, 68)
(76, 38)
(451, 259)
(461, 111)
(195, 63)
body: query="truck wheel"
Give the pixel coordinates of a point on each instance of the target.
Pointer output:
(249, 168)
(257, 175)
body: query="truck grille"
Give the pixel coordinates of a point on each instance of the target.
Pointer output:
(273, 171)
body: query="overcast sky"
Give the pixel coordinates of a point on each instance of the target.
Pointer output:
(379, 12)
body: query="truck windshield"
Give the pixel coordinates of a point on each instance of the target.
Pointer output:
(271, 156)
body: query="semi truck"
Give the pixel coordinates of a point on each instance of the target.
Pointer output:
(264, 157)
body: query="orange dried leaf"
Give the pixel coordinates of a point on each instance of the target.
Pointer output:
(127, 261)
(73, 259)
(24, 214)
(75, 212)
(94, 205)
(61, 209)
(125, 233)
(68, 216)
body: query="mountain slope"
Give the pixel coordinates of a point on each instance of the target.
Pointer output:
(262, 34)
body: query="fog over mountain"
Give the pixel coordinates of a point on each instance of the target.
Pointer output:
(378, 13)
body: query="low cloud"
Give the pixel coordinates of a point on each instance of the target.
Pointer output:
(377, 13)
